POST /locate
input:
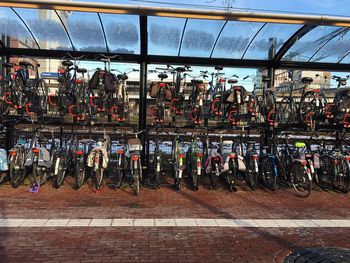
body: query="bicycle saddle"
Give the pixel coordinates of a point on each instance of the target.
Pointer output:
(67, 63)
(7, 65)
(25, 64)
(232, 81)
(81, 70)
(306, 80)
(163, 76)
(265, 79)
(122, 76)
(195, 81)
(219, 67)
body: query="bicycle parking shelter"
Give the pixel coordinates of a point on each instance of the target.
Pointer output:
(275, 40)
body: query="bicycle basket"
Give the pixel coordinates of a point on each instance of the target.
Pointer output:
(134, 145)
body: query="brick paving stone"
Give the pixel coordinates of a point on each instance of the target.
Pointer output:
(164, 222)
(305, 223)
(79, 222)
(144, 222)
(342, 223)
(285, 223)
(11, 222)
(324, 223)
(56, 222)
(246, 223)
(226, 223)
(123, 222)
(100, 222)
(185, 222)
(206, 222)
(33, 222)
(265, 223)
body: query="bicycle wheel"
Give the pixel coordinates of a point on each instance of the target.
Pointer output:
(324, 175)
(251, 176)
(341, 178)
(39, 174)
(195, 180)
(79, 174)
(120, 171)
(3, 175)
(177, 180)
(299, 179)
(17, 172)
(268, 173)
(98, 175)
(286, 111)
(231, 176)
(59, 170)
(41, 91)
(157, 164)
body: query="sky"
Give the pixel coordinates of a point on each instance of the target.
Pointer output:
(325, 7)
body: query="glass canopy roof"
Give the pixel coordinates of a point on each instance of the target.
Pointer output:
(23, 28)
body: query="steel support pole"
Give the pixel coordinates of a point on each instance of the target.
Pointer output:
(143, 92)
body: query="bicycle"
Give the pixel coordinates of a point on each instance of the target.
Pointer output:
(103, 86)
(135, 164)
(195, 160)
(120, 109)
(27, 95)
(335, 167)
(178, 159)
(297, 171)
(98, 160)
(312, 104)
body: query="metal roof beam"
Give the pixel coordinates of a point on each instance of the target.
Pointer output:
(292, 40)
(244, 16)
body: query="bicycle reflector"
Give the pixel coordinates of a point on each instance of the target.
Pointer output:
(79, 81)
(233, 156)
(347, 158)
(120, 151)
(181, 155)
(35, 150)
(199, 154)
(135, 157)
(303, 162)
(80, 152)
(12, 153)
(255, 157)
(61, 70)
(162, 85)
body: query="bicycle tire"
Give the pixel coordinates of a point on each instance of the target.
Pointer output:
(3, 176)
(98, 175)
(61, 172)
(299, 179)
(79, 175)
(231, 176)
(268, 177)
(156, 173)
(251, 176)
(324, 175)
(341, 177)
(285, 112)
(120, 172)
(38, 174)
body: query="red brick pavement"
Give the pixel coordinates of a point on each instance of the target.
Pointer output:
(161, 245)
(166, 244)
(168, 203)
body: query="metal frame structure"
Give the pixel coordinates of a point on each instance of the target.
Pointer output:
(274, 61)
